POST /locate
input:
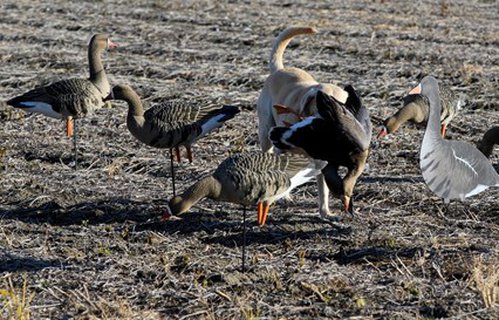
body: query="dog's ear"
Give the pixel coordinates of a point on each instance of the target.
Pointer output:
(353, 102)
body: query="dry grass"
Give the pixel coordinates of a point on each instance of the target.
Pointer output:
(15, 301)
(486, 280)
(91, 239)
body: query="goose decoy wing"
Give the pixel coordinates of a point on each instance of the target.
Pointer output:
(457, 171)
(72, 97)
(351, 128)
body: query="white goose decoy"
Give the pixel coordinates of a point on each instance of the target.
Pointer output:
(250, 178)
(451, 169)
(171, 124)
(72, 98)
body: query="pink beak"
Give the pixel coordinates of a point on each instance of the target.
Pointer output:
(382, 133)
(111, 45)
(167, 214)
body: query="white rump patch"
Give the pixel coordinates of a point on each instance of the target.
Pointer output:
(211, 124)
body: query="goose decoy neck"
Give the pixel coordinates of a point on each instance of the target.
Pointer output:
(206, 187)
(99, 43)
(127, 94)
(428, 87)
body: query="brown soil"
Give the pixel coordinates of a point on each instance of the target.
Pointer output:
(90, 244)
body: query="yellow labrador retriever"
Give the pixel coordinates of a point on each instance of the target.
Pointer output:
(295, 91)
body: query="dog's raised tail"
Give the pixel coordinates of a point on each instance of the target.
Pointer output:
(281, 42)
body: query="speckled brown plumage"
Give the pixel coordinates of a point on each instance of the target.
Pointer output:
(250, 178)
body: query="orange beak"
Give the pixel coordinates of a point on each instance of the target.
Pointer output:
(263, 210)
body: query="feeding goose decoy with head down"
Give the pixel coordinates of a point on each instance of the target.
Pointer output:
(451, 169)
(416, 109)
(250, 178)
(170, 124)
(490, 138)
(72, 98)
(341, 136)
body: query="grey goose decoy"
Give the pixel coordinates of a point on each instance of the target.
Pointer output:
(341, 136)
(72, 98)
(451, 169)
(490, 138)
(170, 124)
(416, 109)
(249, 178)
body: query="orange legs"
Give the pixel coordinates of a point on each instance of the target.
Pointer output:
(69, 126)
(263, 210)
(177, 153)
(187, 149)
(189, 153)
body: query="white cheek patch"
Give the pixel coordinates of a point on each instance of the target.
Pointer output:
(40, 107)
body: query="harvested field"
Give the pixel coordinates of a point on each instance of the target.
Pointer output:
(89, 244)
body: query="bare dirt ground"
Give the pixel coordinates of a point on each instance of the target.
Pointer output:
(89, 243)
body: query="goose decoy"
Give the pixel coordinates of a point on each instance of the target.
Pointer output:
(416, 109)
(249, 178)
(451, 169)
(170, 124)
(341, 136)
(72, 98)
(490, 138)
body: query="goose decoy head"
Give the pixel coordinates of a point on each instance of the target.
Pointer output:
(102, 42)
(119, 92)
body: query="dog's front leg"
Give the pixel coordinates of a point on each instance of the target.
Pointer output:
(323, 196)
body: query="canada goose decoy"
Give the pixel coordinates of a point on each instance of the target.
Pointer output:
(341, 136)
(490, 138)
(170, 124)
(451, 169)
(72, 98)
(416, 109)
